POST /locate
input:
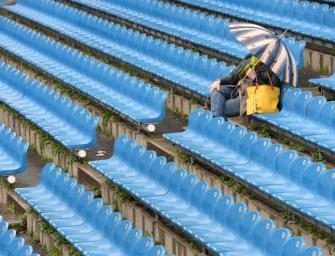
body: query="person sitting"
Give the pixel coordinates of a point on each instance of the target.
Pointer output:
(228, 94)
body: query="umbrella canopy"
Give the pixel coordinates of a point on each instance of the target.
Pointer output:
(7, 2)
(269, 48)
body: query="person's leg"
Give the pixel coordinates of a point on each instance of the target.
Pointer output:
(217, 104)
(232, 107)
(218, 100)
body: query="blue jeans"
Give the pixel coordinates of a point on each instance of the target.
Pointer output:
(222, 104)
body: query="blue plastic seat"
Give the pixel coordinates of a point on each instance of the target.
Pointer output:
(91, 77)
(148, 54)
(204, 213)
(91, 227)
(12, 245)
(13, 151)
(298, 16)
(66, 122)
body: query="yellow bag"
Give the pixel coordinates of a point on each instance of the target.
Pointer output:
(262, 99)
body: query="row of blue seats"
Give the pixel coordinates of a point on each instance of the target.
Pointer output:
(13, 152)
(324, 82)
(127, 95)
(213, 219)
(185, 68)
(69, 124)
(10, 244)
(193, 26)
(307, 18)
(310, 118)
(282, 174)
(91, 227)
(189, 25)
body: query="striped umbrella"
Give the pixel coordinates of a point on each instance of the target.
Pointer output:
(269, 48)
(7, 2)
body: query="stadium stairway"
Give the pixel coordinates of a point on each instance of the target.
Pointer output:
(13, 152)
(91, 227)
(182, 23)
(72, 126)
(129, 97)
(10, 244)
(281, 174)
(224, 227)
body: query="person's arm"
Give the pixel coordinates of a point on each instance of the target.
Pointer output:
(234, 76)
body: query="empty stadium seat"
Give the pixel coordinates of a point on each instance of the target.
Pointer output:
(204, 213)
(193, 26)
(186, 69)
(125, 94)
(324, 82)
(70, 125)
(12, 245)
(310, 19)
(91, 227)
(282, 174)
(305, 116)
(13, 152)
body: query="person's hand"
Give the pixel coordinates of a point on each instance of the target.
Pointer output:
(215, 86)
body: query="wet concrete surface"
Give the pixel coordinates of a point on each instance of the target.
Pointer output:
(31, 177)
(102, 150)
(171, 123)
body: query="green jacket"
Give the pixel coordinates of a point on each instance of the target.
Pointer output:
(232, 79)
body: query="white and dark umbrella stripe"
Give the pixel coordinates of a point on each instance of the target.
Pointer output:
(271, 50)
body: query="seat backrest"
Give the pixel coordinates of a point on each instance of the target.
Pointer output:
(157, 250)
(7, 237)
(247, 143)
(234, 215)
(300, 106)
(326, 185)
(111, 223)
(284, 162)
(298, 168)
(198, 193)
(92, 209)
(143, 246)
(290, 97)
(222, 206)
(314, 107)
(277, 240)
(130, 240)
(271, 155)
(156, 165)
(312, 251)
(164, 174)
(25, 250)
(193, 118)
(210, 200)
(259, 149)
(187, 186)
(311, 176)
(327, 113)
(146, 161)
(15, 245)
(235, 138)
(177, 179)
(121, 230)
(261, 233)
(101, 216)
(293, 246)
(248, 223)
(225, 133)
(213, 128)
(202, 123)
